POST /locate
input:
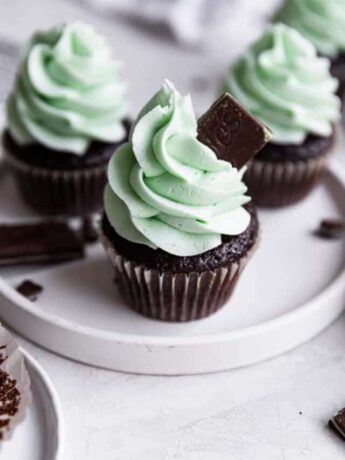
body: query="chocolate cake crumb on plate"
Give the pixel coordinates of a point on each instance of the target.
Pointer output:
(29, 289)
(331, 229)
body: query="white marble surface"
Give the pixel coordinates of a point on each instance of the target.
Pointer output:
(277, 410)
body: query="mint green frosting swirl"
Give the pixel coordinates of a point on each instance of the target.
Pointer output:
(282, 81)
(67, 92)
(321, 21)
(166, 189)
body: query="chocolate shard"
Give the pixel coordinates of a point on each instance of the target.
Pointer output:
(39, 242)
(232, 132)
(89, 230)
(332, 229)
(337, 424)
(29, 289)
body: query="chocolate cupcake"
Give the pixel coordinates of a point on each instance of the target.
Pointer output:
(322, 22)
(177, 227)
(281, 80)
(65, 117)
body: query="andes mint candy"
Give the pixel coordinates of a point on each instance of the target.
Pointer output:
(232, 132)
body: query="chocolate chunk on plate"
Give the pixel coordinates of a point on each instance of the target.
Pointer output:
(29, 289)
(232, 132)
(39, 242)
(331, 229)
(337, 424)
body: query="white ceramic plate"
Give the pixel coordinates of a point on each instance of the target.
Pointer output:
(39, 436)
(292, 289)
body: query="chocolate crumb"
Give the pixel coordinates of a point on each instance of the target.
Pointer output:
(331, 229)
(300, 413)
(89, 231)
(29, 289)
(9, 401)
(3, 356)
(337, 424)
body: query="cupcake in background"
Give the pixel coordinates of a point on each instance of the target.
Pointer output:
(65, 117)
(281, 80)
(177, 226)
(322, 22)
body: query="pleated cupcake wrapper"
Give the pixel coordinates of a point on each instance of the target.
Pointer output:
(283, 183)
(54, 192)
(177, 297)
(15, 394)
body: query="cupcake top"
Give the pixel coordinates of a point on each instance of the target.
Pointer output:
(282, 81)
(67, 92)
(166, 189)
(321, 21)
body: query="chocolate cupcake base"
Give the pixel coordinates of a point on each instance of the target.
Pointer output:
(284, 175)
(61, 183)
(273, 184)
(185, 294)
(55, 192)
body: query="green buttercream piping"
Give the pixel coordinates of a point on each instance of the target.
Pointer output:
(282, 81)
(321, 21)
(67, 92)
(166, 189)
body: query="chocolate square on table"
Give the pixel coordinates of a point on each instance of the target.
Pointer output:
(337, 424)
(232, 132)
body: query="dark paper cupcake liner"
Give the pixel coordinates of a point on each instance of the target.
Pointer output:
(273, 184)
(175, 297)
(54, 192)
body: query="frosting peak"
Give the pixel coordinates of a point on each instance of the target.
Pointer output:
(166, 189)
(282, 81)
(320, 21)
(67, 91)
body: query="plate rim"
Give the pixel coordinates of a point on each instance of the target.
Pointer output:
(336, 171)
(33, 364)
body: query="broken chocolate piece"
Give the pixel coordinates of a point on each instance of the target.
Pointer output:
(40, 242)
(232, 132)
(331, 229)
(29, 289)
(89, 230)
(337, 424)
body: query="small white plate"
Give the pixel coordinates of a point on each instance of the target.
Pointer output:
(39, 436)
(292, 289)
